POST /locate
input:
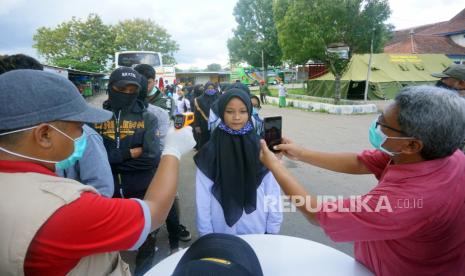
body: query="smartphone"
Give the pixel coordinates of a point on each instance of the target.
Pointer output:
(272, 133)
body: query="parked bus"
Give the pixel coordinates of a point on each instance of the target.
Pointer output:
(132, 58)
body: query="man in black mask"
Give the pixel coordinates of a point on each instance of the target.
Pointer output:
(129, 137)
(131, 142)
(453, 78)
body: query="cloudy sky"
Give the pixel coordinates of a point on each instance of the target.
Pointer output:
(201, 27)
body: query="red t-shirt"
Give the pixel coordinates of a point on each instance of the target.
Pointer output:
(419, 228)
(89, 225)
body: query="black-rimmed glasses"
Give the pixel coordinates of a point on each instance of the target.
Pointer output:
(391, 128)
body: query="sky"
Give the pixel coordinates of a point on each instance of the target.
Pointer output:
(201, 27)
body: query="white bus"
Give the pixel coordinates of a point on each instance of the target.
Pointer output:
(132, 58)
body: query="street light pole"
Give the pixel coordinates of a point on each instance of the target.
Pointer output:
(365, 94)
(263, 69)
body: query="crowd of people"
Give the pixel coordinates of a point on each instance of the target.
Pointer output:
(81, 183)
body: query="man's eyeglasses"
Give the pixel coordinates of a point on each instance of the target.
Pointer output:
(391, 128)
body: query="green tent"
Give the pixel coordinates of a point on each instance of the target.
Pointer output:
(389, 73)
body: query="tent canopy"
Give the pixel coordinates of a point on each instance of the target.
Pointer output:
(389, 73)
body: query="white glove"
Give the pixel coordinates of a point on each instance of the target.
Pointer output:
(178, 142)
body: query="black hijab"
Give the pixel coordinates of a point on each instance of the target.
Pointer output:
(236, 85)
(206, 101)
(241, 86)
(232, 162)
(198, 90)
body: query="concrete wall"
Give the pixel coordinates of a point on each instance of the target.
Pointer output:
(328, 108)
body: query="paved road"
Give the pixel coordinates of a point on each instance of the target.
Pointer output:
(318, 131)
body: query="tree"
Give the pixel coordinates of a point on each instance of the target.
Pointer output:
(338, 66)
(83, 45)
(90, 45)
(144, 35)
(213, 67)
(306, 27)
(255, 32)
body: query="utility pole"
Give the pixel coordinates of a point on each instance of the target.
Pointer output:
(263, 70)
(365, 96)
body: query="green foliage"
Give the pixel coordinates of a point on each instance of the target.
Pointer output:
(144, 35)
(306, 27)
(83, 45)
(337, 65)
(90, 45)
(255, 32)
(213, 67)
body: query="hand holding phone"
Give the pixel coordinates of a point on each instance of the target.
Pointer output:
(273, 132)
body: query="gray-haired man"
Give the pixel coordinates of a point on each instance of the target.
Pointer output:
(413, 221)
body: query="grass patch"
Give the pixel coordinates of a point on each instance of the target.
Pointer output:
(301, 95)
(290, 91)
(295, 91)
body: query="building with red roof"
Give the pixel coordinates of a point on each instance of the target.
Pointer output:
(446, 37)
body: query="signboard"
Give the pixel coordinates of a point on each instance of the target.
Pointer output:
(404, 58)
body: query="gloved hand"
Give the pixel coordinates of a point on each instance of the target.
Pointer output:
(178, 142)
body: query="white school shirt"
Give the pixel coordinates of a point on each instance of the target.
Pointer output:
(267, 218)
(183, 105)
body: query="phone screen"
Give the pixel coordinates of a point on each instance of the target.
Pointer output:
(178, 121)
(272, 126)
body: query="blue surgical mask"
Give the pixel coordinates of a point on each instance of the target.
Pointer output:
(378, 138)
(154, 90)
(80, 144)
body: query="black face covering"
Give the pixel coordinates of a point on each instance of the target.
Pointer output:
(119, 100)
(232, 162)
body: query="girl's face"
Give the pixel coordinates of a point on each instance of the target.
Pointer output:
(236, 114)
(255, 103)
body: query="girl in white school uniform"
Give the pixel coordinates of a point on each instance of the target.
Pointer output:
(235, 193)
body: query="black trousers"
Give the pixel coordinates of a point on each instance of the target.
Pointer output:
(172, 224)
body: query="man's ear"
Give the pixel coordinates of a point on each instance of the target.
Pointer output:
(413, 146)
(461, 85)
(42, 135)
